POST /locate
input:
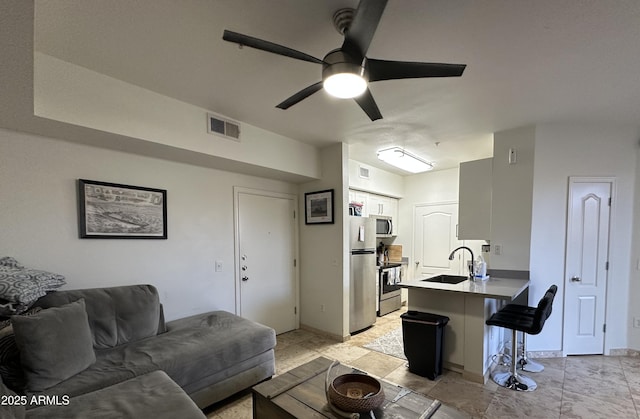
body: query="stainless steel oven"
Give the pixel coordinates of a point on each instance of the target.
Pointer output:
(390, 276)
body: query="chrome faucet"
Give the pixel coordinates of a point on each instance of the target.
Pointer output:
(472, 259)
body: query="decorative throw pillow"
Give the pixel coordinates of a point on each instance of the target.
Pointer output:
(9, 261)
(54, 344)
(20, 287)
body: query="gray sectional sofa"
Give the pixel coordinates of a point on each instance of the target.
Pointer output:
(109, 350)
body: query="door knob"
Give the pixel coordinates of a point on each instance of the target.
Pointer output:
(575, 279)
(245, 278)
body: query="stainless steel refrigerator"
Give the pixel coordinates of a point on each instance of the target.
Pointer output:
(362, 298)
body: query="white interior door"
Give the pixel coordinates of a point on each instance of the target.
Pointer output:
(587, 253)
(266, 259)
(435, 236)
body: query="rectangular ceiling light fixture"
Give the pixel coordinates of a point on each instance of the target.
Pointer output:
(402, 159)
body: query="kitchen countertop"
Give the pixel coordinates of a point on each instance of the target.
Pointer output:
(500, 288)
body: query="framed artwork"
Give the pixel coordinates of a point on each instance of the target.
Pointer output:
(318, 207)
(113, 211)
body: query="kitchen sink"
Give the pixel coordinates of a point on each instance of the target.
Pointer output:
(447, 279)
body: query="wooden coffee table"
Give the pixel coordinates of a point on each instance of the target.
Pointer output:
(300, 393)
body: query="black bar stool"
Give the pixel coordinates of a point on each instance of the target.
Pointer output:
(524, 363)
(527, 323)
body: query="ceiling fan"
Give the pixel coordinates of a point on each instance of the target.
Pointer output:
(346, 71)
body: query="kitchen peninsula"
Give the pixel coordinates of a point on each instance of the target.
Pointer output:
(468, 342)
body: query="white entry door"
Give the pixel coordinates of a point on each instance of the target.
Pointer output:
(587, 253)
(435, 236)
(266, 258)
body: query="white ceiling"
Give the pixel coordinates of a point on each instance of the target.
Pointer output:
(527, 62)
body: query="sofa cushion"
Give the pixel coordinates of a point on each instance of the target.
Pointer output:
(117, 315)
(11, 406)
(218, 340)
(191, 351)
(54, 344)
(10, 368)
(151, 395)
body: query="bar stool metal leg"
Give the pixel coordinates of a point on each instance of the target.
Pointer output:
(512, 379)
(526, 364)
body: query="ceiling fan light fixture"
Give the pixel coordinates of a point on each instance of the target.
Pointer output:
(345, 85)
(342, 77)
(402, 159)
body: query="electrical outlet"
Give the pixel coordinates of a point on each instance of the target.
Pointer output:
(636, 322)
(497, 249)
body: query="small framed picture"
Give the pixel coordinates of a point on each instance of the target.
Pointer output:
(113, 211)
(318, 207)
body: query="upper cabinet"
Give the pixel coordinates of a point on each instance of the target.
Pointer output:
(383, 205)
(362, 198)
(474, 200)
(374, 204)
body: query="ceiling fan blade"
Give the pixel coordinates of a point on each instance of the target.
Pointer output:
(368, 105)
(360, 33)
(389, 70)
(256, 43)
(301, 95)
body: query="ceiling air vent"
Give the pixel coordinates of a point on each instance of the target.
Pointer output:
(364, 172)
(223, 126)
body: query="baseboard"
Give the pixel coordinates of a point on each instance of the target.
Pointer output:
(475, 377)
(558, 354)
(326, 334)
(544, 354)
(624, 352)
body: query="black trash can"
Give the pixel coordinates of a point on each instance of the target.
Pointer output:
(423, 336)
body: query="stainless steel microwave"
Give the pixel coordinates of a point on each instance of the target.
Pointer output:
(384, 225)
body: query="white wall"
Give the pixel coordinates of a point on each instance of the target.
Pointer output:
(324, 258)
(425, 188)
(72, 94)
(118, 112)
(39, 221)
(633, 333)
(380, 181)
(564, 150)
(511, 198)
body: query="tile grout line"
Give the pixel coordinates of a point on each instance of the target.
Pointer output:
(564, 377)
(626, 379)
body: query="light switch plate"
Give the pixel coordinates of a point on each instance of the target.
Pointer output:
(218, 266)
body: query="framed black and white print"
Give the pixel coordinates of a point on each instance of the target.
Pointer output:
(318, 207)
(113, 211)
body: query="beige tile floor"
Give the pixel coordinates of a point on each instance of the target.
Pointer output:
(572, 387)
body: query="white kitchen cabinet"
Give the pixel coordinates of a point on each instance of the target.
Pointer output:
(384, 205)
(374, 204)
(361, 198)
(474, 199)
